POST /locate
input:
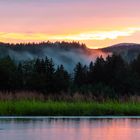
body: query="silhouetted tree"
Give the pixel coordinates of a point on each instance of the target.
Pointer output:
(62, 79)
(7, 74)
(98, 70)
(80, 75)
(109, 77)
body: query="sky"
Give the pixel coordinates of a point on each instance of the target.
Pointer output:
(97, 23)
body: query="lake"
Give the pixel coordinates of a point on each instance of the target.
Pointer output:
(69, 128)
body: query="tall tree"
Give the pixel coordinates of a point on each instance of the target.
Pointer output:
(80, 75)
(62, 79)
(7, 74)
(98, 70)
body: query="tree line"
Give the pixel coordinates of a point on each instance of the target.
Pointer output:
(110, 77)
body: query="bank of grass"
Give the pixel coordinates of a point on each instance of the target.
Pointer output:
(62, 108)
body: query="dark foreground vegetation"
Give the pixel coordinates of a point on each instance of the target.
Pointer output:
(109, 86)
(106, 78)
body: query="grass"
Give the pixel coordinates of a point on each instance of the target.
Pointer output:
(62, 108)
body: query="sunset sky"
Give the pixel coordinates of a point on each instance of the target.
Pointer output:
(97, 23)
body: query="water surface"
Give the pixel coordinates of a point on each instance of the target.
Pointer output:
(100, 128)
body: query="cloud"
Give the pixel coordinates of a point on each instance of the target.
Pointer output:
(98, 35)
(94, 35)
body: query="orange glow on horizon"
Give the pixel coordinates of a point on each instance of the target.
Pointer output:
(89, 38)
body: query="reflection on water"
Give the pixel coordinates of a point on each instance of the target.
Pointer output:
(70, 129)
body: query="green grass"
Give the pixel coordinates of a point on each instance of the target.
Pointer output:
(52, 108)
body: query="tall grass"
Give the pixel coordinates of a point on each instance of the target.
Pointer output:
(52, 108)
(37, 104)
(74, 97)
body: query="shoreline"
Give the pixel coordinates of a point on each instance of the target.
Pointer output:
(69, 117)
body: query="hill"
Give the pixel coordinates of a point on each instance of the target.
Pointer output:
(129, 51)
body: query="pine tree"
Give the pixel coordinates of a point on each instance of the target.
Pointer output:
(80, 75)
(62, 79)
(7, 74)
(91, 74)
(98, 70)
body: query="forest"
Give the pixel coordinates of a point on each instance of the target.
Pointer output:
(112, 77)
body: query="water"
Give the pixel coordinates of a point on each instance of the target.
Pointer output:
(100, 128)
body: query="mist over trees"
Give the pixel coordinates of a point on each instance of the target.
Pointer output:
(66, 53)
(110, 77)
